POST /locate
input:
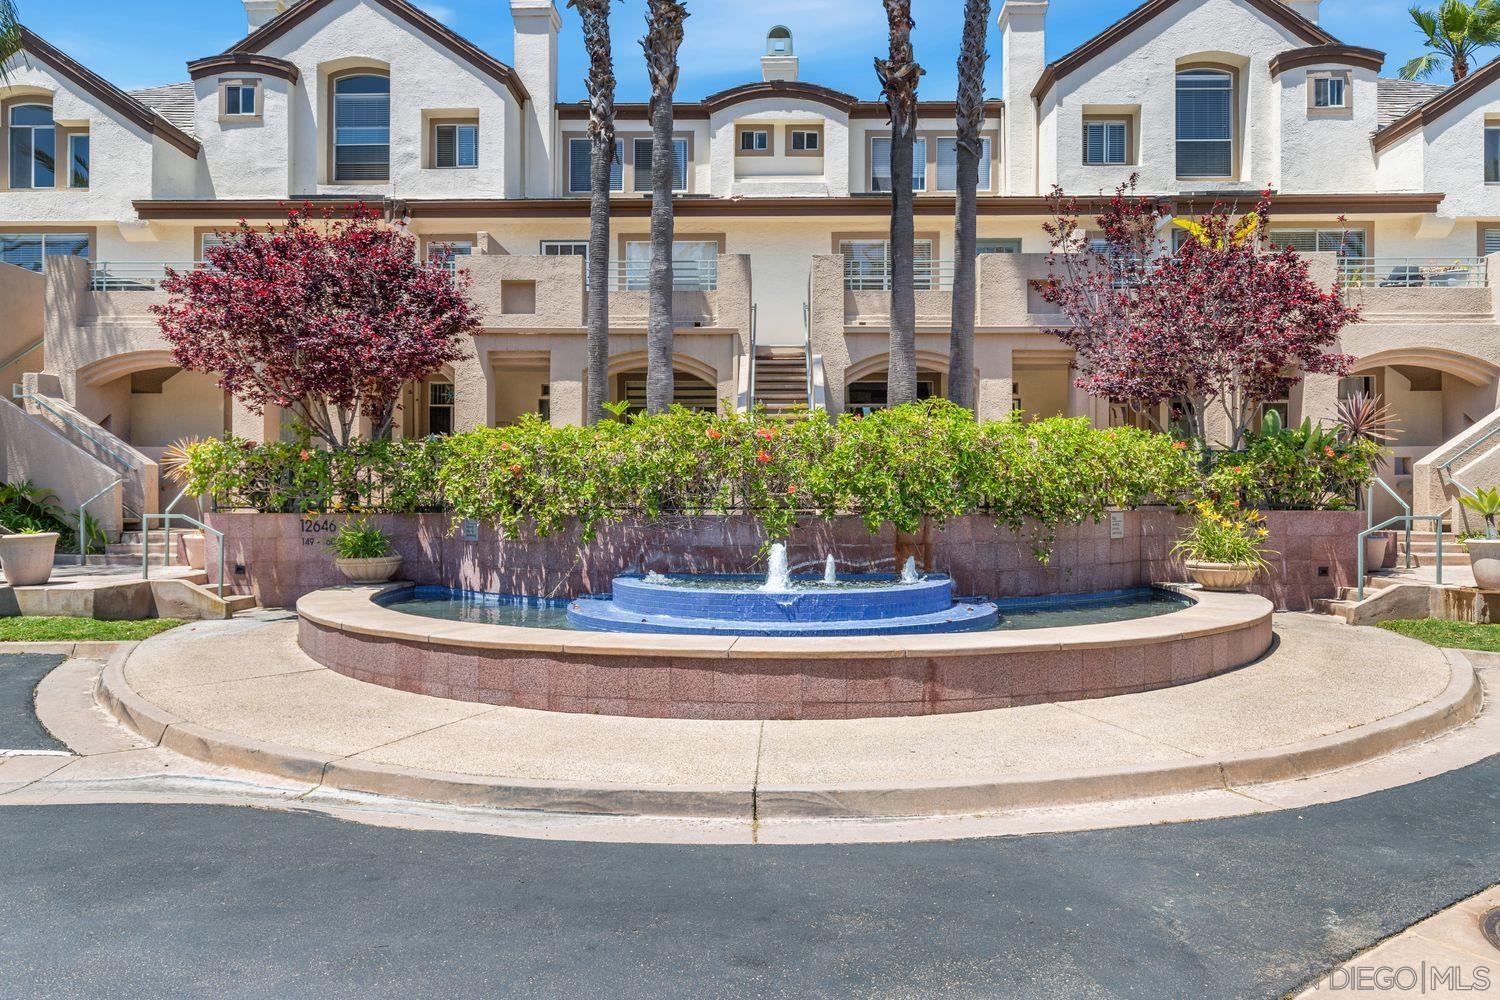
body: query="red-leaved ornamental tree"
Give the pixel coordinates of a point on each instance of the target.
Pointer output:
(329, 318)
(1229, 321)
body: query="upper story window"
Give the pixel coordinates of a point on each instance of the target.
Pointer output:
(455, 144)
(33, 147)
(240, 99)
(1492, 154)
(1345, 242)
(28, 250)
(1329, 91)
(642, 153)
(78, 160)
(581, 162)
(1106, 143)
(880, 165)
(565, 248)
(755, 142)
(947, 163)
(805, 140)
(362, 128)
(447, 252)
(1205, 123)
(1005, 244)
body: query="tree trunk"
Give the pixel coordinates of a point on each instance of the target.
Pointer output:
(601, 87)
(663, 37)
(970, 117)
(898, 76)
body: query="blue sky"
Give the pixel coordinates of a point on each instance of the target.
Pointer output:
(147, 42)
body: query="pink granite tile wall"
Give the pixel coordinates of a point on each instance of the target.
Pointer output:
(280, 557)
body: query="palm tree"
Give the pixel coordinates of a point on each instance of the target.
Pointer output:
(1456, 32)
(663, 37)
(898, 85)
(601, 85)
(970, 114)
(12, 42)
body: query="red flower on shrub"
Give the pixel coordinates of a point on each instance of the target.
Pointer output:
(791, 491)
(505, 446)
(304, 454)
(765, 433)
(516, 469)
(1328, 450)
(1180, 445)
(762, 456)
(714, 434)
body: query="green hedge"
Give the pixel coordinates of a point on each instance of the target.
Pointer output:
(898, 466)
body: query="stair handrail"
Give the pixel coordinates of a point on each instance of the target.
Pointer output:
(754, 323)
(807, 354)
(104, 446)
(1370, 510)
(83, 537)
(7, 362)
(1463, 452)
(146, 520)
(1408, 518)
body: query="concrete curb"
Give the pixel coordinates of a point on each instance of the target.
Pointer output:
(1459, 703)
(72, 650)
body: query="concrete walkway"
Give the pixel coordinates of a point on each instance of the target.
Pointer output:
(242, 694)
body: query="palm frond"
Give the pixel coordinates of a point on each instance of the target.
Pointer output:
(1421, 67)
(11, 41)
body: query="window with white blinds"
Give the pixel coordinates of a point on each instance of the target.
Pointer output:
(28, 250)
(1491, 241)
(1105, 143)
(1205, 122)
(362, 128)
(880, 165)
(643, 164)
(867, 264)
(694, 265)
(947, 163)
(455, 146)
(580, 160)
(1349, 243)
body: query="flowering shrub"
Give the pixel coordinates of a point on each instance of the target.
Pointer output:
(1219, 536)
(1294, 468)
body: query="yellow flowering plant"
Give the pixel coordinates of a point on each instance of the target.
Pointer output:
(1236, 537)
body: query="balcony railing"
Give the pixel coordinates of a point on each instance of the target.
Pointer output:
(134, 276)
(1414, 272)
(687, 275)
(868, 276)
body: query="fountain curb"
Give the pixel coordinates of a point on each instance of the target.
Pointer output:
(1458, 704)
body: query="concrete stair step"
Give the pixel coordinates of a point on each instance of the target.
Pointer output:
(118, 559)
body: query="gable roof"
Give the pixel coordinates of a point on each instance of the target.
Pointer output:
(1394, 98)
(176, 102)
(1150, 10)
(1433, 109)
(400, 9)
(113, 97)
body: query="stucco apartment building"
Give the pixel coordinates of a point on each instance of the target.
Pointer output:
(781, 218)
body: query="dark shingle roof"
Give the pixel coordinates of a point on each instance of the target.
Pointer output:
(1397, 97)
(176, 102)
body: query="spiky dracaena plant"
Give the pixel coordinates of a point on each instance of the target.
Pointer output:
(601, 87)
(1456, 33)
(664, 20)
(899, 74)
(970, 114)
(1365, 416)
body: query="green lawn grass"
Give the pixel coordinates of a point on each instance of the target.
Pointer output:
(1452, 635)
(27, 629)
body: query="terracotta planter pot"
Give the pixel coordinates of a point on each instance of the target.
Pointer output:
(1376, 548)
(378, 570)
(27, 559)
(1225, 577)
(1484, 553)
(192, 544)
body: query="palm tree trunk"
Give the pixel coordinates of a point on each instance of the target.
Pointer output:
(663, 37)
(898, 77)
(970, 116)
(601, 87)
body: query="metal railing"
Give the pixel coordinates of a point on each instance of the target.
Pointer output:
(754, 331)
(83, 534)
(874, 276)
(1370, 512)
(1407, 519)
(687, 275)
(7, 362)
(134, 276)
(1447, 466)
(1414, 272)
(166, 517)
(807, 349)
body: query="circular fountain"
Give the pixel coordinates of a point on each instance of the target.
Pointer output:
(781, 604)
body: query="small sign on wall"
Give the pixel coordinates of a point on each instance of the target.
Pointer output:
(1117, 525)
(471, 531)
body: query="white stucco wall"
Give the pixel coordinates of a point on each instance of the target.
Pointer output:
(780, 175)
(1453, 158)
(1325, 150)
(246, 157)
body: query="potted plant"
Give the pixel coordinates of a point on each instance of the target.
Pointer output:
(192, 547)
(363, 553)
(1224, 552)
(1484, 552)
(1365, 419)
(26, 556)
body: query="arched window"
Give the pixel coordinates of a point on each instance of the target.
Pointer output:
(33, 147)
(1205, 123)
(362, 128)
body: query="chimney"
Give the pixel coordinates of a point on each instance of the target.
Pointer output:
(258, 12)
(780, 60)
(536, 26)
(1023, 47)
(1307, 8)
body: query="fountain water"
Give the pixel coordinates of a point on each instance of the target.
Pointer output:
(909, 572)
(830, 572)
(779, 578)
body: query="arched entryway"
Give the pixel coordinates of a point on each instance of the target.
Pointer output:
(866, 386)
(694, 386)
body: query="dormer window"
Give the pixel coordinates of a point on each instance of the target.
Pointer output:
(241, 99)
(1328, 92)
(33, 147)
(755, 142)
(362, 128)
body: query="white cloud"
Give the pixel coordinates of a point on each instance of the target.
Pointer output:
(437, 10)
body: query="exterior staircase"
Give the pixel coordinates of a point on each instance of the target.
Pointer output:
(1400, 592)
(780, 378)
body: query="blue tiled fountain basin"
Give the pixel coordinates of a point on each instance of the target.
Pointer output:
(743, 598)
